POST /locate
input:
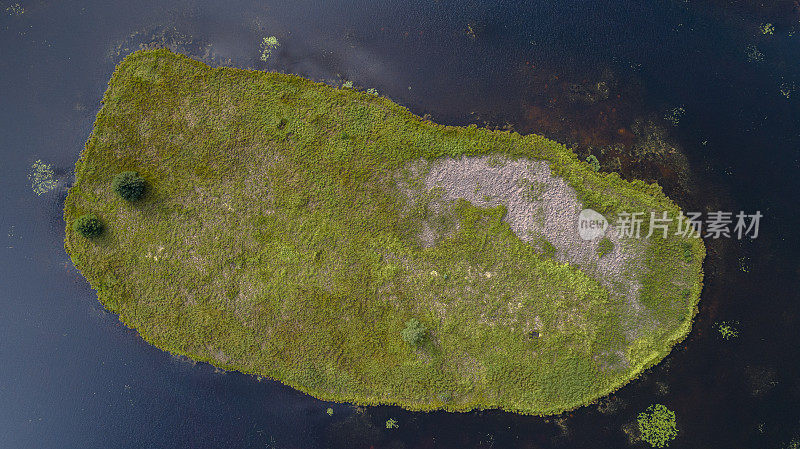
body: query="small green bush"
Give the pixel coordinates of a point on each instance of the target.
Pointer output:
(688, 254)
(657, 425)
(606, 246)
(414, 332)
(88, 225)
(129, 185)
(592, 160)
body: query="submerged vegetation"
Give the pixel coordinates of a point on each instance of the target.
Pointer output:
(298, 231)
(674, 115)
(753, 53)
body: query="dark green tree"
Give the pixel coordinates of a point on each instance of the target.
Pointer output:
(129, 185)
(88, 225)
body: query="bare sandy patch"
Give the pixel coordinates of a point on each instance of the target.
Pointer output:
(539, 206)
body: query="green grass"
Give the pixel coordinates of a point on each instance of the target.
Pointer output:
(605, 246)
(273, 239)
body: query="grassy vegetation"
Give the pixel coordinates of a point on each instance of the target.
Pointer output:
(273, 239)
(605, 246)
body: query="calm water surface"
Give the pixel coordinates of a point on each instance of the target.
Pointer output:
(72, 376)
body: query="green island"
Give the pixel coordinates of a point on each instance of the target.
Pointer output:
(331, 240)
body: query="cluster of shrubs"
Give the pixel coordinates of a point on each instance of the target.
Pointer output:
(129, 185)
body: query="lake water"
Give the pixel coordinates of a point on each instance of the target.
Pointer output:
(691, 94)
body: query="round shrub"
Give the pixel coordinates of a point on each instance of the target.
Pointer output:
(414, 332)
(129, 185)
(88, 225)
(593, 162)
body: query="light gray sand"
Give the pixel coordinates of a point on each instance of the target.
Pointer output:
(540, 205)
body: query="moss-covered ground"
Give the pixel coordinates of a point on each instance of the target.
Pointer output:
(273, 239)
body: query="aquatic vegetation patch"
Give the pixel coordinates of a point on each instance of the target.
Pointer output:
(728, 329)
(657, 425)
(160, 36)
(674, 115)
(41, 177)
(753, 53)
(744, 264)
(15, 9)
(268, 45)
(787, 88)
(761, 379)
(296, 231)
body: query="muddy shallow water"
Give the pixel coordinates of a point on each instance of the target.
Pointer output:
(669, 91)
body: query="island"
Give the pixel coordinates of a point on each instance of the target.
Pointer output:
(331, 240)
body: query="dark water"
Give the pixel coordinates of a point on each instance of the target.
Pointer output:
(72, 377)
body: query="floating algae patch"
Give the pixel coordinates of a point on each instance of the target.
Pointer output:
(41, 177)
(293, 230)
(15, 9)
(268, 44)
